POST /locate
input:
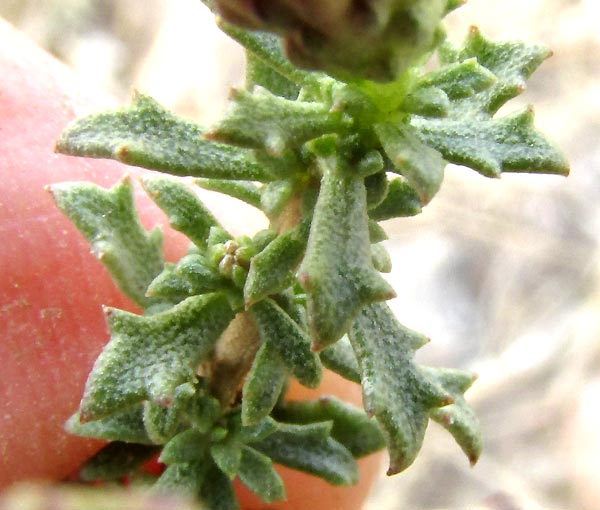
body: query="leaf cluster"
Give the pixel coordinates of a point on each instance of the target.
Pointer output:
(200, 376)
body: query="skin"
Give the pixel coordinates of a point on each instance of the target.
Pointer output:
(51, 291)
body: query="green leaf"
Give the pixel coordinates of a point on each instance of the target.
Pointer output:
(186, 447)
(377, 189)
(242, 190)
(401, 200)
(309, 448)
(228, 456)
(422, 166)
(146, 135)
(381, 258)
(460, 80)
(427, 102)
(259, 119)
(182, 480)
(192, 275)
(260, 73)
(263, 385)
(149, 356)
(510, 62)
(377, 233)
(395, 390)
(459, 418)
(275, 195)
(508, 144)
(251, 434)
(109, 221)
(471, 136)
(267, 47)
(291, 342)
(217, 491)
(271, 270)
(116, 460)
(184, 209)
(340, 358)
(351, 427)
(256, 471)
(337, 272)
(127, 426)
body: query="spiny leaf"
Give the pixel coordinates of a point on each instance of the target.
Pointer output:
(146, 135)
(256, 471)
(148, 357)
(395, 389)
(109, 221)
(459, 418)
(337, 272)
(116, 460)
(340, 358)
(351, 427)
(309, 448)
(271, 270)
(263, 385)
(401, 200)
(259, 119)
(277, 329)
(127, 426)
(184, 209)
(422, 166)
(242, 190)
(508, 144)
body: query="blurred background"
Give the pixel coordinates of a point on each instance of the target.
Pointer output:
(501, 274)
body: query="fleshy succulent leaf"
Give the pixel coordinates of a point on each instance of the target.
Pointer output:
(148, 357)
(242, 190)
(395, 390)
(291, 342)
(401, 200)
(459, 418)
(260, 73)
(381, 258)
(337, 272)
(256, 471)
(127, 426)
(217, 490)
(422, 166)
(261, 120)
(263, 385)
(352, 428)
(227, 455)
(340, 358)
(470, 135)
(109, 221)
(267, 47)
(184, 209)
(271, 270)
(310, 448)
(493, 146)
(146, 135)
(116, 460)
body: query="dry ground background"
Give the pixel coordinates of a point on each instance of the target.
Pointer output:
(502, 275)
